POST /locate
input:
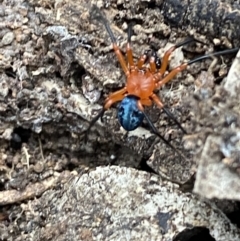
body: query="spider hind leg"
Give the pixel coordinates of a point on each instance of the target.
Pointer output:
(166, 110)
(156, 132)
(93, 121)
(171, 116)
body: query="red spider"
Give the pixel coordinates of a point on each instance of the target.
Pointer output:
(142, 81)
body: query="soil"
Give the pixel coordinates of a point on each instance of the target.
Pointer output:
(57, 67)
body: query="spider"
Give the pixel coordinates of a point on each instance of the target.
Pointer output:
(141, 82)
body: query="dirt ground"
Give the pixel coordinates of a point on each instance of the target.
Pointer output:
(57, 67)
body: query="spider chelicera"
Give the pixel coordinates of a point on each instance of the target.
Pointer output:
(141, 81)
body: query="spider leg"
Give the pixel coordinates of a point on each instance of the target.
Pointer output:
(171, 75)
(183, 66)
(152, 64)
(93, 121)
(97, 14)
(169, 52)
(155, 131)
(141, 61)
(121, 59)
(166, 110)
(129, 49)
(154, 61)
(151, 56)
(113, 98)
(171, 116)
(146, 102)
(180, 68)
(207, 56)
(152, 53)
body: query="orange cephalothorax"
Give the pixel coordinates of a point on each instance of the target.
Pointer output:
(140, 83)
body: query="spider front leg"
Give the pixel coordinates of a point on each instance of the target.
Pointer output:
(183, 66)
(121, 59)
(129, 50)
(177, 70)
(129, 53)
(169, 52)
(97, 14)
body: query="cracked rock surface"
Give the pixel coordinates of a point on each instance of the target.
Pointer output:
(57, 67)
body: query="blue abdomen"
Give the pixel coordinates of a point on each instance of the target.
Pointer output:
(129, 116)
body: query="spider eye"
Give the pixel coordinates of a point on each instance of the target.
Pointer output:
(129, 116)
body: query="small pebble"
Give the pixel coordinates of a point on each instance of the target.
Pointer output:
(7, 38)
